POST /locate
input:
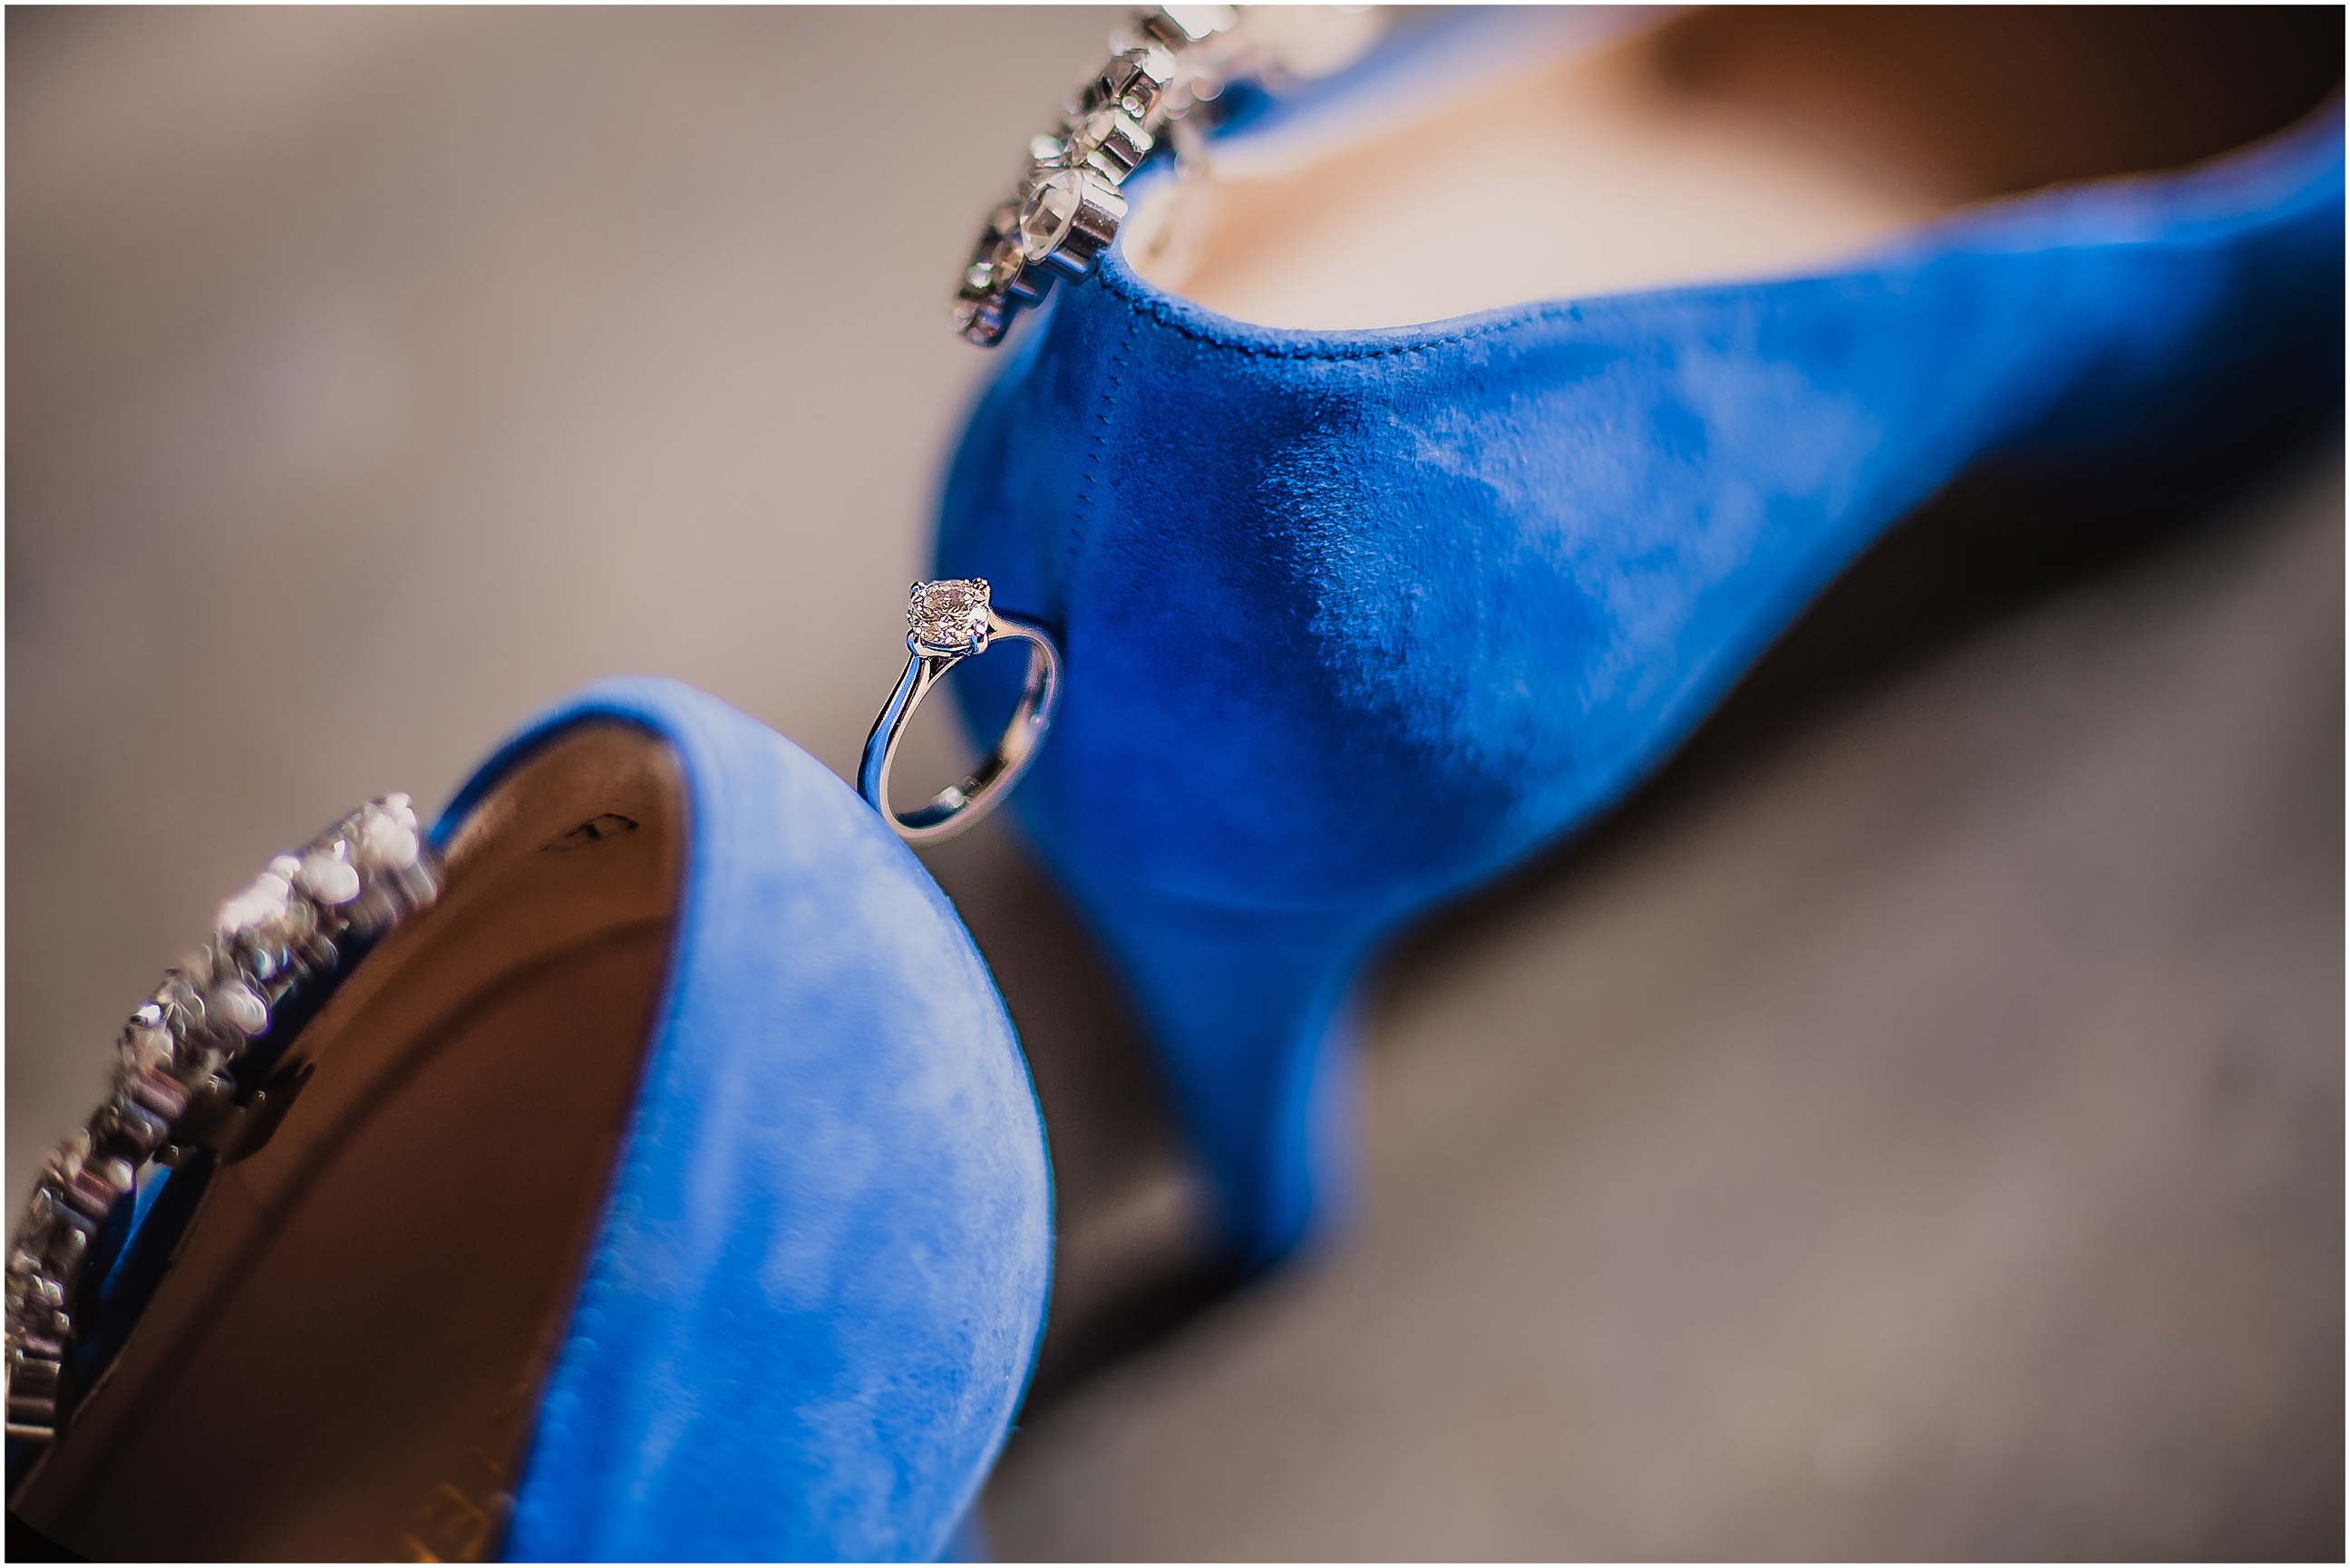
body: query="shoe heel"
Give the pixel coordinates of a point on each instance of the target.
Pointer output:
(1253, 1017)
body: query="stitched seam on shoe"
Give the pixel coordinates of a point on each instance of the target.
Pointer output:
(1978, 233)
(1081, 518)
(1159, 310)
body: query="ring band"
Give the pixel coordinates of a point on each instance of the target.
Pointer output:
(949, 622)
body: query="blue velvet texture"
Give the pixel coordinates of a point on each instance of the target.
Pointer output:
(1354, 620)
(821, 1276)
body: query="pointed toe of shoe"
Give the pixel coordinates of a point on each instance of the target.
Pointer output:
(819, 1281)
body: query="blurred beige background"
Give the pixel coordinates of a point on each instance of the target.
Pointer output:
(1914, 1128)
(378, 376)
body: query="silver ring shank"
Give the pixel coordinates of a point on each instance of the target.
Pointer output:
(960, 806)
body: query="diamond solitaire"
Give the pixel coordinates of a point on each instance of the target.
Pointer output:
(949, 617)
(947, 623)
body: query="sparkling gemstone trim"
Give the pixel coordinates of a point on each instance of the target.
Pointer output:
(1167, 73)
(1066, 209)
(287, 936)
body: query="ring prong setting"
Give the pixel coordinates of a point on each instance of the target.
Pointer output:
(949, 617)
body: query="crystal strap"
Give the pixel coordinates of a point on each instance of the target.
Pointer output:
(182, 1080)
(1164, 69)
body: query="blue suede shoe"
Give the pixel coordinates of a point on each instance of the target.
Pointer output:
(672, 1188)
(1355, 620)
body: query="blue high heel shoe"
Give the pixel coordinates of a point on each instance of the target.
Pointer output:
(672, 1188)
(1354, 620)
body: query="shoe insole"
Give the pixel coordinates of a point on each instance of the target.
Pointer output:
(1717, 146)
(345, 1356)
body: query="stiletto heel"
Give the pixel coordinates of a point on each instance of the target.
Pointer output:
(1252, 1015)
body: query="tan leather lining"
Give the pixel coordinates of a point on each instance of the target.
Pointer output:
(1720, 145)
(344, 1359)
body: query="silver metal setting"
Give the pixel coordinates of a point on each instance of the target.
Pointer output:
(176, 1085)
(948, 621)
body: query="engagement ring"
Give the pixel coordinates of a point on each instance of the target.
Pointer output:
(947, 623)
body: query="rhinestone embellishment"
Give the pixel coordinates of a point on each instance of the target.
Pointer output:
(182, 1076)
(948, 616)
(1067, 209)
(1167, 74)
